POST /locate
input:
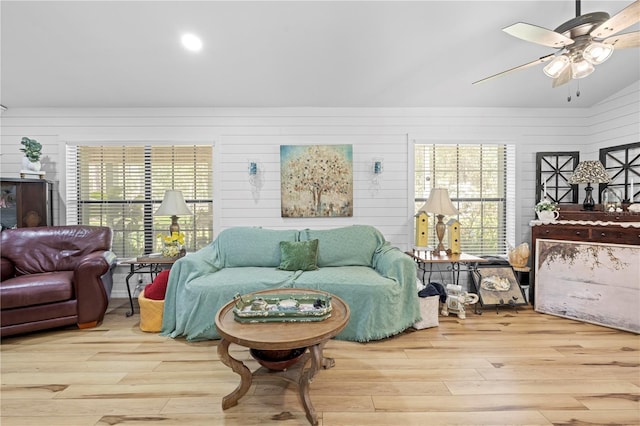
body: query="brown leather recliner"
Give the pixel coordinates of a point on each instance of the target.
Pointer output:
(53, 276)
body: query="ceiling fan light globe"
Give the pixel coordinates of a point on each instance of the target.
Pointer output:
(581, 69)
(555, 67)
(597, 53)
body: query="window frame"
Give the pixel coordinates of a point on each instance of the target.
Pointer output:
(553, 170)
(621, 170)
(152, 227)
(508, 198)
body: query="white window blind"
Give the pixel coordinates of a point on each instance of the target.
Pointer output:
(121, 186)
(480, 179)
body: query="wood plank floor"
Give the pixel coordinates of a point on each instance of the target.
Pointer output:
(506, 368)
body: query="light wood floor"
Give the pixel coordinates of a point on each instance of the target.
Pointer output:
(511, 368)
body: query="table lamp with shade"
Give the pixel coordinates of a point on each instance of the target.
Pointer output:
(440, 204)
(173, 205)
(590, 171)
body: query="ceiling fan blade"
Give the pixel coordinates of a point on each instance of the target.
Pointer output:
(520, 67)
(622, 41)
(563, 78)
(618, 22)
(539, 35)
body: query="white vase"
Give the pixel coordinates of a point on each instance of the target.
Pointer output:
(548, 215)
(33, 166)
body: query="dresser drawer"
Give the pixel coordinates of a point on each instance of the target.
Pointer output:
(574, 233)
(615, 235)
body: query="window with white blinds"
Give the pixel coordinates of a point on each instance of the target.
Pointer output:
(480, 179)
(121, 186)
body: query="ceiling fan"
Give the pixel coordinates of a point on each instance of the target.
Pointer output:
(582, 42)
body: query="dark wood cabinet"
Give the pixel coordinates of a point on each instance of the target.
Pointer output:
(26, 202)
(574, 224)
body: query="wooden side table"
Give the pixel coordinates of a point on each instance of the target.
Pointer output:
(148, 264)
(277, 336)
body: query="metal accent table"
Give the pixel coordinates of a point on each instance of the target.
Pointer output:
(426, 257)
(150, 264)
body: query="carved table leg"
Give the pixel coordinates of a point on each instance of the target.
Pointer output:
(317, 360)
(305, 380)
(239, 368)
(327, 363)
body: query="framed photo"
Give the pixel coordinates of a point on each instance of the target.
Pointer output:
(498, 286)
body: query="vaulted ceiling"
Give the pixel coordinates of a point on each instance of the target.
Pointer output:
(290, 54)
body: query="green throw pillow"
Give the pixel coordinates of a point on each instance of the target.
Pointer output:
(299, 255)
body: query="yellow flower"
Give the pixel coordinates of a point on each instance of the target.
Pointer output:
(178, 236)
(173, 238)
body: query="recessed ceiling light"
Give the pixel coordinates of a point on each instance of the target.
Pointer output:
(192, 42)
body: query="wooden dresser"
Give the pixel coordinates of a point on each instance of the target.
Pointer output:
(586, 267)
(575, 224)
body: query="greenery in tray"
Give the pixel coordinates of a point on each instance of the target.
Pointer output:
(282, 307)
(32, 149)
(546, 205)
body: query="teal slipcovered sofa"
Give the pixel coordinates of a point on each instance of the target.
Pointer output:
(376, 280)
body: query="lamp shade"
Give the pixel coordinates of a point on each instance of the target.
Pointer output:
(439, 203)
(173, 204)
(591, 171)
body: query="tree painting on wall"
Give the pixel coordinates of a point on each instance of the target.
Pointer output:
(316, 180)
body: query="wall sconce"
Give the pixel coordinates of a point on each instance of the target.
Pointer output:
(377, 167)
(255, 170)
(376, 171)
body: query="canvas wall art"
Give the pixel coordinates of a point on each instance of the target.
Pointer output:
(591, 282)
(316, 180)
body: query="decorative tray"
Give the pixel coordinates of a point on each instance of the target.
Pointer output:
(296, 307)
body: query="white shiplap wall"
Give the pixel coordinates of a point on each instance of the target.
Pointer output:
(385, 209)
(243, 134)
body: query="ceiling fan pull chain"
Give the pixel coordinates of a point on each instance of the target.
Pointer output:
(578, 89)
(568, 92)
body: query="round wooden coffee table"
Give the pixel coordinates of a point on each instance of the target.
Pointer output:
(277, 336)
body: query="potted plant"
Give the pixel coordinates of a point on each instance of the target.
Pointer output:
(546, 210)
(32, 151)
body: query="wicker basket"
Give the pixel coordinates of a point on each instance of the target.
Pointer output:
(150, 313)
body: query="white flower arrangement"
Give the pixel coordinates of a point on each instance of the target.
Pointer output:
(546, 205)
